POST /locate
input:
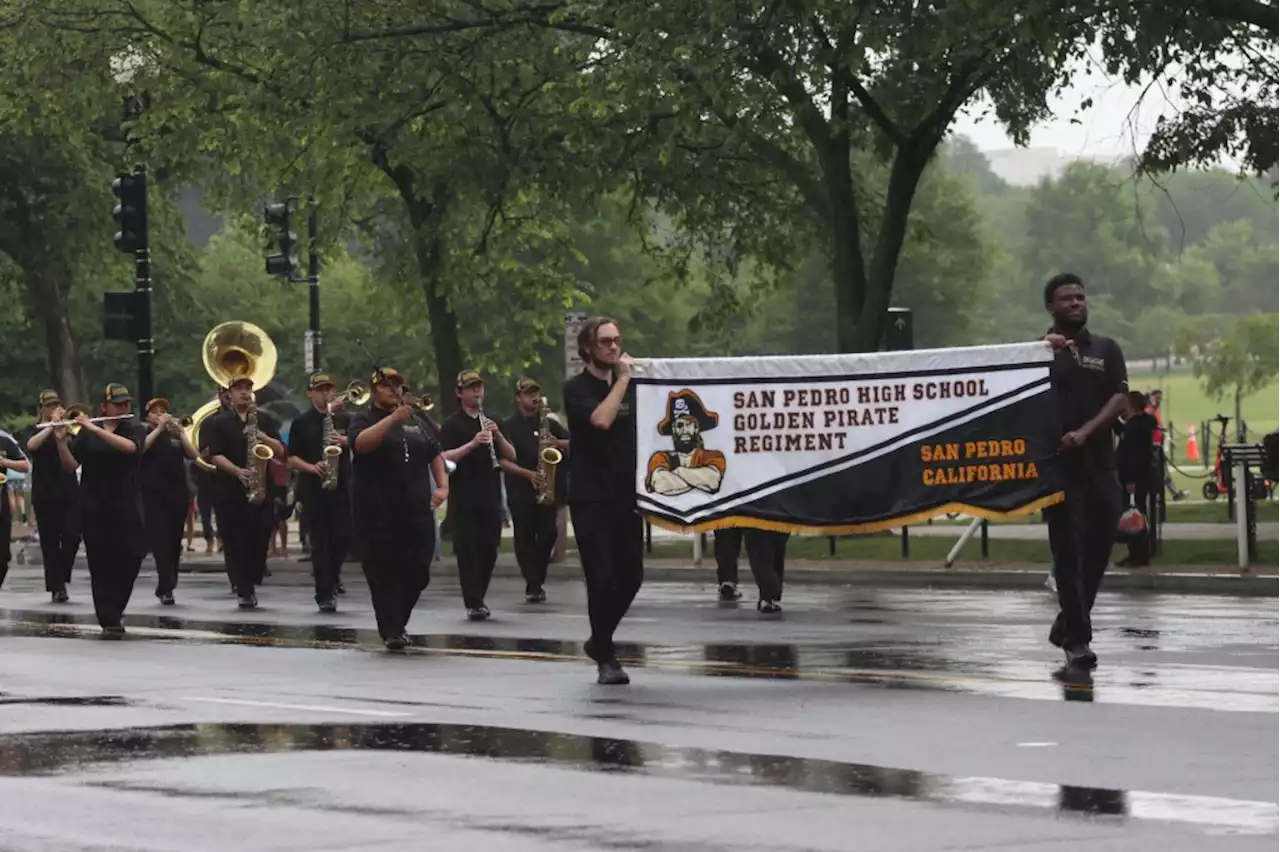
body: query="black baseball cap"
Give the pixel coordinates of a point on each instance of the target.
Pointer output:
(467, 378)
(50, 397)
(117, 394)
(319, 380)
(527, 384)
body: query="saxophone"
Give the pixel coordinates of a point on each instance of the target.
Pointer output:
(332, 453)
(259, 454)
(548, 457)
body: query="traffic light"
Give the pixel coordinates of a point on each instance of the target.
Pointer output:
(277, 215)
(130, 211)
(898, 334)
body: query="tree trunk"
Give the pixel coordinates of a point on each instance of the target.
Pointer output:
(904, 178)
(49, 304)
(848, 271)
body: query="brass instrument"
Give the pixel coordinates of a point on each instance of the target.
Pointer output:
(241, 350)
(332, 454)
(493, 451)
(193, 423)
(356, 394)
(259, 454)
(549, 457)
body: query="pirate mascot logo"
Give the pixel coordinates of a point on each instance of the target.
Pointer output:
(690, 465)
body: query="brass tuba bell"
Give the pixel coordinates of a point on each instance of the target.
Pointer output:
(237, 350)
(192, 429)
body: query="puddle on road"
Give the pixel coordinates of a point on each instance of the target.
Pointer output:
(68, 700)
(996, 668)
(53, 753)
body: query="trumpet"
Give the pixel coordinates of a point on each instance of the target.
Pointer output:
(357, 394)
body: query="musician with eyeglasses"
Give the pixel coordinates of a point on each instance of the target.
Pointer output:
(108, 452)
(323, 485)
(395, 460)
(476, 445)
(246, 517)
(55, 497)
(165, 499)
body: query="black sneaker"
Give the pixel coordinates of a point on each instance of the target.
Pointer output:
(113, 631)
(1081, 656)
(768, 607)
(60, 596)
(248, 601)
(611, 674)
(328, 605)
(340, 589)
(166, 599)
(729, 592)
(535, 596)
(395, 643)
(477, 613)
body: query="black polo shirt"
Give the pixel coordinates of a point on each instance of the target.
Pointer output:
(1085, 376)
(109, 478)
(394, 479)
(476, 484)
(306, 441)
(523, 433)
(223, 435)
(164, 472)
(1136, 453)
(602, 466)
(50, 482)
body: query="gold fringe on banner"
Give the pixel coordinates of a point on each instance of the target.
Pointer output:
(741, 521)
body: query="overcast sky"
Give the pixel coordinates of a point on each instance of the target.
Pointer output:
(1108, 128)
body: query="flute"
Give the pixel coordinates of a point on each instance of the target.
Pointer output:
(48, 423)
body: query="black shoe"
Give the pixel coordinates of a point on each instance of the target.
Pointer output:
(327, 605)
(166, 599)
(768, 607)
(113, 631)
(1081, 656)
(611, 674)
(248, 601)
(60, 596)
(340, 589)
(477, 613)
(535, 596)
(395, 643)
(729, 592)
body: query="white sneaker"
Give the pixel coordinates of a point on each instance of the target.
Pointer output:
(1051, 584)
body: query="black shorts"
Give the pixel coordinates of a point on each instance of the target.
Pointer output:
(283, 510)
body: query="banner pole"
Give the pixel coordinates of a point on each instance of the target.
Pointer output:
(964, 539)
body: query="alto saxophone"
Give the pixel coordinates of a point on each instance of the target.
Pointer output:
(544, 486)
(259, 454)
(332, 453)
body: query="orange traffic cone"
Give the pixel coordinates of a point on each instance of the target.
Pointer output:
(1193, 449)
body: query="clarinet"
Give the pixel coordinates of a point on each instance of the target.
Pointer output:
(484, 423)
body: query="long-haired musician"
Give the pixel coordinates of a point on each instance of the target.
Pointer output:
(245, 527)
(107, 454)
(328, 510)
(395, 460)
(12, 461)
(165, 498)
(55, 497)
(602, 502)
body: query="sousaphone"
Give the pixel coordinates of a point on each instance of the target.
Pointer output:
(233, 350)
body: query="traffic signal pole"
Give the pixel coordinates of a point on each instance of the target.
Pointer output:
(127, 315)
(142, 297)
(313, 285)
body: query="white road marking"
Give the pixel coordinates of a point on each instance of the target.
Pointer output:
(309, 707)
(1036, 745)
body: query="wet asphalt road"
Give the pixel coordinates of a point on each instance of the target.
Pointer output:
(861, 720)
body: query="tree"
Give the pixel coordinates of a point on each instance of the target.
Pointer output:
(467, 126)
(1238, 363)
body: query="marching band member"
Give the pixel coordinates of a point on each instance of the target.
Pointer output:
(610, 533)
(395, 459)
(11, 459)
(108, 454)
(245, 527)
(328, 510)
(535, 524)
(165, 498)
(55, 497)
(475, 443)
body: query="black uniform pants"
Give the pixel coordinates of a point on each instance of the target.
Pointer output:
(611, 545)
(767, 554)
(59, 527)
(728, 546)
(6, 534)
(166, 519)
(535, 538)
(1082, 532)
(244, 543)
(476, 533)
(396, 557)
(329, 515)
(207, 527)
(114, 548)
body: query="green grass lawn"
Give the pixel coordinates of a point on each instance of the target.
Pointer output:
(1186, 403)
